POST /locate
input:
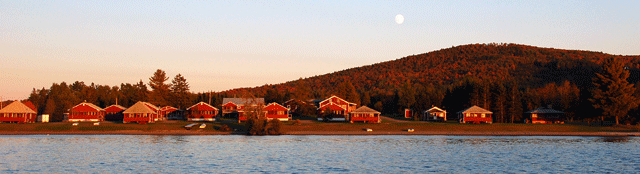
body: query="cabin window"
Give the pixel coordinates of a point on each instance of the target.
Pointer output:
(482, 115)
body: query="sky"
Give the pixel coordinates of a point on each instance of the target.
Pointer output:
(221, 45)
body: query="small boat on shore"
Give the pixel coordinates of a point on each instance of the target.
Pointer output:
(410, 130)
(189, 126)
(202, 126)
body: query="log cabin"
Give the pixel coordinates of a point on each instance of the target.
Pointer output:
(17, 112)
(435, 114)
(277, 111)
(546, 115)
(86, 112)
(365, 114)
(202, 112)
(235, 107)
(475, 114)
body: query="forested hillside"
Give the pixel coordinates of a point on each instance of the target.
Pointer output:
(508, 79)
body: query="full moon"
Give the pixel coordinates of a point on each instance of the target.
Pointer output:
(399, 19)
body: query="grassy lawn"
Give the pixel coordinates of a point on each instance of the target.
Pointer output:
(309, 123)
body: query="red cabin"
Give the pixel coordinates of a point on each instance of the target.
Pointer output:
(340, 107)
(365, 114)
(114, 112)
(277, 111)
(234, 107)
(141, 112)
(435, 114)
(171, 113)
(17, 112)
(546, 116)
(475, 114)
(86, 112)
(202, 112)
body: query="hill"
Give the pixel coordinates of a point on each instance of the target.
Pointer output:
(438, 73)
(508, 79)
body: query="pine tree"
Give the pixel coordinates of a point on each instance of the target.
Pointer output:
(180, 90)
(613, 94)
(160, 90)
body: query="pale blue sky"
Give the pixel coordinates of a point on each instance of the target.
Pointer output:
(220, 45)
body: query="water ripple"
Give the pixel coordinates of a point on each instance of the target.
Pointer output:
(317, 154)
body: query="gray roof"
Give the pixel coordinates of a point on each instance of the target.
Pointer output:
(242, 101)
(17, 107)
(476, 109)
(544, 110)
(139, 107)
(365, 109)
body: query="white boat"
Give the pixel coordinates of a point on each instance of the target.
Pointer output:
(96, 124)
(189, 126)
(369, 130)
(409, 130)
(202, 126)
(75, 124)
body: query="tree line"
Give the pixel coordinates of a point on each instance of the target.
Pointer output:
(508, 79)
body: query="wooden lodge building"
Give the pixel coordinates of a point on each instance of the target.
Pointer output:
(546, 115)
(340, 108)
(114, 112)
(475, 114)
(141, 112)
(365, 114)
(86, 112)
(18, 112)
(202, 112)
(234, 107)
(277, 111)
(435, 114)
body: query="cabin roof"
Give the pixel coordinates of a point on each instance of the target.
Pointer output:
(274, 105)
(97, 108)
(116, 106)
(476, 109)
(365, 109)
(30, 105)
(241, 101)
(198, 106)
(435, 109)
(139, 107)
(544, 110)
(17, 107)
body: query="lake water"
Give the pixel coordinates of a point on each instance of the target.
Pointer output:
(316, 154)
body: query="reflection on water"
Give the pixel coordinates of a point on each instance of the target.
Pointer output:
(615, 139)
(317, 154)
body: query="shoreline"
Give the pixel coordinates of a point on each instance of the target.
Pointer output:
(341, 133)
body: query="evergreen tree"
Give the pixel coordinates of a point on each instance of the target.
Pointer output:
(160, 90)
(613, 94)
(180, 90)
(142, 93)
